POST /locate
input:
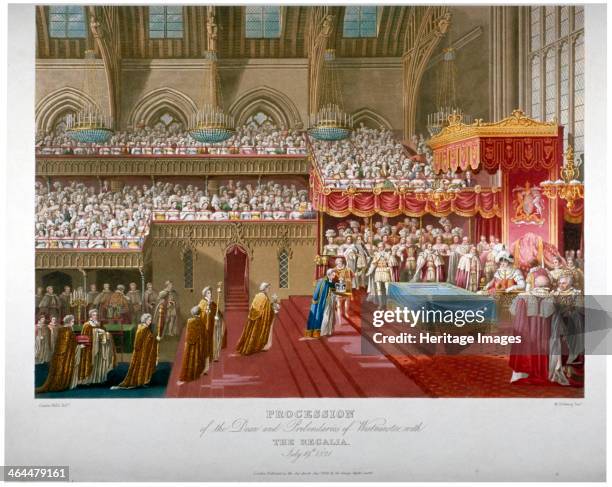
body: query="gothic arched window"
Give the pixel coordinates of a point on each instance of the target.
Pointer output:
(188, 268)
(283, 269)
(259, 119)
(555, 66)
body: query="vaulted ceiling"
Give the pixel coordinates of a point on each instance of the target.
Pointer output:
(136, 44)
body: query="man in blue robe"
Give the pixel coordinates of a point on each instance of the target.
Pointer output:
(322, 310)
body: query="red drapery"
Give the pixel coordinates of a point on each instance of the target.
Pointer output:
(487, 227)
(508, 149)
(468, 203)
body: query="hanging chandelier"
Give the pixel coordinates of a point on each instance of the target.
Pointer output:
(211, 124)
(569, 188)
(89, 124)
(446, 100)
(330, 122)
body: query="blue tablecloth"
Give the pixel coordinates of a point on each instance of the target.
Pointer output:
(440, 297)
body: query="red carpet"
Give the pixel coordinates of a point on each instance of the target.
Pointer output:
(335, 367)
(469, 376)
(330, 367)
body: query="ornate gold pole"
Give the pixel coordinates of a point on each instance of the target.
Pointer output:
(219, 285)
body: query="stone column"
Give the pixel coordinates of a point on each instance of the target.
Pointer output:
(504, 61)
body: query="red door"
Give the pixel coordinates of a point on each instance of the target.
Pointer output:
(236, 276)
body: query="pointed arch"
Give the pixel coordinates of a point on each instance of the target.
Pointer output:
(155, 101)
(269, 100)
(53, 105)
(370, 117)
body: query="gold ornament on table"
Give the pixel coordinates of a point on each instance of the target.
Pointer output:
(569, 188)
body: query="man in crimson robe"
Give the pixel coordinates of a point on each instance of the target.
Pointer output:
(532, 318)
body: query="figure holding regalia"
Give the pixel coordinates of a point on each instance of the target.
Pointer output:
(346, 276)
(98, 357)
(321, 318)
(144, 357)
(64, 365)
(209, 317)
(257, 333)
(160, 313)
(213, 322)
(196, 358)
(507, 278)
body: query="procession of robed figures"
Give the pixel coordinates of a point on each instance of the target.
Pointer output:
(88, 357)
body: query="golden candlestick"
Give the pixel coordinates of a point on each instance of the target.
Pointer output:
(568, 188)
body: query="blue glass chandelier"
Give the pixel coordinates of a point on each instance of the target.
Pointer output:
(89, 125)
(211, 124)
(331, 122)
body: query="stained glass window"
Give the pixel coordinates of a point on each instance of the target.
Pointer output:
(283, 269)
(166, 22)
(360, 21)
(549, 22)
(262, 22)
(535, 87)
(579, 95)
(535, 28)
(188, 268)
(564, 90)
(578, 18)
(564, 21)
(551, 86)
(67, 21)
(556, 69)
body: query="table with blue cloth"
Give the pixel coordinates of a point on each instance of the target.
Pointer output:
(443, 297)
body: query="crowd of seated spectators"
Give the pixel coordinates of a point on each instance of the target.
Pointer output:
(173, 139)
(373, 157)
(76, 215)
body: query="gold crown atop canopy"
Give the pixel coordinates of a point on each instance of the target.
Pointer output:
(516, 125)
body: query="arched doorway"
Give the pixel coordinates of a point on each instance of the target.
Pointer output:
(236, 277)
(58, 280)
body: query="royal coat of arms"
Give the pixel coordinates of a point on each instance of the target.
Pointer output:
(527, 205)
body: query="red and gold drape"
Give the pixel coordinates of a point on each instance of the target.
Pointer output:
(364, 203)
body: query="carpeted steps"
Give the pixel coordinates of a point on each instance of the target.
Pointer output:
(236, 299)
(362, 372)
(311, 354)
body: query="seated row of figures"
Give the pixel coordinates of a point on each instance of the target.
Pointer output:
(89, 357)
(116, 306)
(472, 267)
